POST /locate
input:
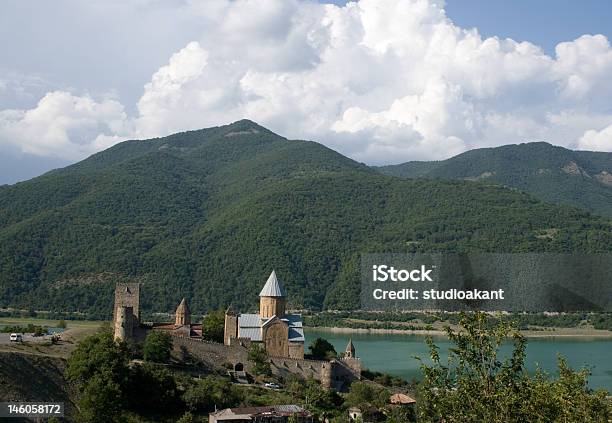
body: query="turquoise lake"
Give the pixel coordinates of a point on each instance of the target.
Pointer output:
(393, 354)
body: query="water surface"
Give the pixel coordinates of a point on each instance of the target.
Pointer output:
(393, 353)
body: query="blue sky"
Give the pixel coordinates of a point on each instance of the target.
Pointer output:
(543, 22)
(386, 82)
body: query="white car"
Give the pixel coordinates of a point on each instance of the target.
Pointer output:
(272, 385)
(15, 337)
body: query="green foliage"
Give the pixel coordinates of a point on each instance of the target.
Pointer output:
(602, 321)
(370, 398)
(384, 379)
(186, 418)
(541, 169)
(37, 330)
(100, 399)
(98, 368)
(322, 349)
(98, 354)
(477, 385)
(424, 321)
(364, 394)
(213, 326)
(153, 388)
(206, 394)
(194, 213)
(157, 347)
(259, 357)
(310, 395)
(61, 324)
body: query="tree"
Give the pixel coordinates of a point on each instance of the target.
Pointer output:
(370, 398)
(186, 418)
(213, 326)
(98, 368)
(101, 399)
(61, 324)
(210, 393)
(153, 387)
(157, 347)
(310, 394)
(321, 349)
(476, 385)
(259, 357)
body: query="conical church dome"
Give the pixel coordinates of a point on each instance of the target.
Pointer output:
(273, 287)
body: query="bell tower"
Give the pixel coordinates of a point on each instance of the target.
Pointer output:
(349, 351)
(183, 314)
(272, 298)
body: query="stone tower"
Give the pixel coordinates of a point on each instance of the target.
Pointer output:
(231, 325)
(126, 312)
(183, 315)
(349, 352)
(124, 323)
(127, 295)
(272, 298)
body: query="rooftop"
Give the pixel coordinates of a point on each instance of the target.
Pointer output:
(278, 410)
(273, 287)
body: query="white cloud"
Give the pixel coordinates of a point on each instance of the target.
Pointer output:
(173, 93)
(597, 140)
(63, 125)
(379, 80)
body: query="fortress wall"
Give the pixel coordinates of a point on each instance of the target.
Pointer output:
(303, 368)
(211, 353)
(337, 373)
(344, 369)
(214, 354)
(352, 364)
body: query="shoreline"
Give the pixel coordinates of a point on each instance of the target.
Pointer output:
(555, 333)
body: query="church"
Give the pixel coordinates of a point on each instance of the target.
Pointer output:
(281, 334)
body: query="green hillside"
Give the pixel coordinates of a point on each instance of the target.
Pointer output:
(555, 174)
(207, 214)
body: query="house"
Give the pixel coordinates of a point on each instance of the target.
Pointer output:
(267, 414)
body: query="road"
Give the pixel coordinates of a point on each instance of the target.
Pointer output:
(27, 337)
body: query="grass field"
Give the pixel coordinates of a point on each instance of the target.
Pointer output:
(75, 331)
(70, 324)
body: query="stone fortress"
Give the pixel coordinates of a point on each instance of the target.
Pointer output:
(279, 333)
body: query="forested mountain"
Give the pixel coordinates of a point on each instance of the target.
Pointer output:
(208, 214)
(556, 174)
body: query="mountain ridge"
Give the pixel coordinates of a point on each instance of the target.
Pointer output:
(551, 173)
(207, 216)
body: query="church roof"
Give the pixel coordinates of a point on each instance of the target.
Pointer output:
(183, 307)
(273, 287)
(250, 324)
(350, 346)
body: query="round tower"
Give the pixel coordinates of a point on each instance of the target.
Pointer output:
(124, 323)
(272, 298)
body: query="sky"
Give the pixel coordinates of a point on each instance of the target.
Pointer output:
(381, 81)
